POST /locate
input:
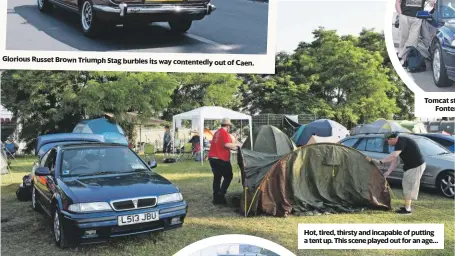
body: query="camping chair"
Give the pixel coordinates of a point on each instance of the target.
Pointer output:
(149, 152)
(179, 150)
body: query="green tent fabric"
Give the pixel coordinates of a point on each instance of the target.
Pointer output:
(415, 127)
(269, 139)
(318, 178)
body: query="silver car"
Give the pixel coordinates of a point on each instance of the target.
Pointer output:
(439, 172)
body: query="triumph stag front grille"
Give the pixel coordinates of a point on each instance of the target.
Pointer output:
(133, 203)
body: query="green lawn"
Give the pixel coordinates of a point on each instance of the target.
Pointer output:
(25, 232)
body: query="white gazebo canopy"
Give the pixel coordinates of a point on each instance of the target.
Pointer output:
(199, 115)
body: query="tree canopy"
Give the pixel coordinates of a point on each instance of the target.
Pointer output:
(349, 79)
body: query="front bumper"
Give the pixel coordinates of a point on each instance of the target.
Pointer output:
(100, 227)
(124, 10)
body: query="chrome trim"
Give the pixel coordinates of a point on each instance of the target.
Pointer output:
(207, 9)
(112, 2)
(135, 204)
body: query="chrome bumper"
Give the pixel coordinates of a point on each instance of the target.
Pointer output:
(123, 9)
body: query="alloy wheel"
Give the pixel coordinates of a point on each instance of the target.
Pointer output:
(448, 185)
(56, 226)
(436, 64)
(87, 15)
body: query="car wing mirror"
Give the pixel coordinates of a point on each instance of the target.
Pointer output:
(42, 171)
(423, 15)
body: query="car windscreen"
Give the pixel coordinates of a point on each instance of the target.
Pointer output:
(99, 160)
(430, 148)
(447, 9)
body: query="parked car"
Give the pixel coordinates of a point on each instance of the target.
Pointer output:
(94, 191)
(439, 41)
(439, 173)
(96, 14)
(445, 140)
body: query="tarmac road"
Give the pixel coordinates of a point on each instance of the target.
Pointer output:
(236, 27)
(423, 79)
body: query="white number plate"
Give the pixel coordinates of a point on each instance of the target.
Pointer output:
(138, 218)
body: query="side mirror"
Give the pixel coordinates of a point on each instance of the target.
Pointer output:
(423, 15)
(42, 171)
(152, 164)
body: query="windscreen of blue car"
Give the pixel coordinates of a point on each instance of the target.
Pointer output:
(100, 160)
(447, 9)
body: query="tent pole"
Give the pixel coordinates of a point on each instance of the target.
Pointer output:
(172, 135)
(251, 133)
(201, 138)
(241, 129)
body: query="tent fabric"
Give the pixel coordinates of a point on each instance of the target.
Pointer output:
(269, 139)
(3, 162)
(317, 139)
(415, 127)
(112, 132)
(323, 128)
(293, 121)
(380, 126)
(97, 126)
(298, 133)
(318, 178)
(209, 113)
(212, 113)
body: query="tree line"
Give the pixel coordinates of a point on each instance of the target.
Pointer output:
(349, 79)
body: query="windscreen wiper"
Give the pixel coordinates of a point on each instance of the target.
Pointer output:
(96, 173)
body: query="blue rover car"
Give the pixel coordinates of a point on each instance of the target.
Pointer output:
(94, 191)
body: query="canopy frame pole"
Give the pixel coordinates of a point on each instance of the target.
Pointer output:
(241, 129)
(201, 138)
(172, 135)
(251, 132)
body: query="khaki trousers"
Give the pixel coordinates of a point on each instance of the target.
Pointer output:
(411, 182)
(409, 34)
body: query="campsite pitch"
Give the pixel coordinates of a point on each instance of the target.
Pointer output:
(25, 233)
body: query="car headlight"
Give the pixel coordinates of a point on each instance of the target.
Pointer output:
(90, 207)
(169, 198)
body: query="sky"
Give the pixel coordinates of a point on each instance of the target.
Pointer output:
(298, 19)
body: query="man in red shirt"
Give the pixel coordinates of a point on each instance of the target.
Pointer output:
(220, 161)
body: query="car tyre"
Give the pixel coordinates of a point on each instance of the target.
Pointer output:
(89, 22)
(180, 26)
(58, 230)
(446, 184)
(440, 77)
(35, 204)
(44, 5)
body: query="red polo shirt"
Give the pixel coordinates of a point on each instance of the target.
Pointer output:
(217, 148)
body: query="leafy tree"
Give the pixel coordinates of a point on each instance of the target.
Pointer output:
(374, 41)
(55, 101)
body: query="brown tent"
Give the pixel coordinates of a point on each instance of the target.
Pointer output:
(314, 179)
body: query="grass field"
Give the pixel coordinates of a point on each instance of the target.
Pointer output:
(25, 232)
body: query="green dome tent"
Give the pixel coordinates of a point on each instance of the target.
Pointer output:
(271, 140)
(322, 177)
(380, 126)
(415, 127)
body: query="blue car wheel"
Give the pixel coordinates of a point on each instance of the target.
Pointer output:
(440, 77)
(58, 229)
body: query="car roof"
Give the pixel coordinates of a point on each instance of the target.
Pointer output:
(90, 145)
(369, 135)
(438, 135)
